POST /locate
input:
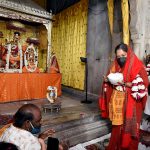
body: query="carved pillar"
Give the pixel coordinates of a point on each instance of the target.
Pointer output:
(139, 26)
(98, 44)
(49, 28)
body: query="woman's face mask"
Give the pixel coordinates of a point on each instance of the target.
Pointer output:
(121, 61)
(121, 57)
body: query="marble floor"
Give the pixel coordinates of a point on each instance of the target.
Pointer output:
(71, 109)
(76, 122)
(69, 104)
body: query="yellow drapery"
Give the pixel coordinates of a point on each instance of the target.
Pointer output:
(69, 43)
(125, 18)
(110, 5)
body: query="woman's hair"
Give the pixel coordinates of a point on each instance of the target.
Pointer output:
(7, 146)
(122, 46)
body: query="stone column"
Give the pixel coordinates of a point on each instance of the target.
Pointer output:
(49, 28)
(98, 44)
(140, 26)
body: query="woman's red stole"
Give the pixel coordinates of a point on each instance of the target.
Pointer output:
(132, 67)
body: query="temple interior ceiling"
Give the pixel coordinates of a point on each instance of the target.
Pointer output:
(26, 6)
(55, 5)
(38, 7)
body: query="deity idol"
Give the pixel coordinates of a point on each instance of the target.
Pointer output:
(31, 56)
(12, 54)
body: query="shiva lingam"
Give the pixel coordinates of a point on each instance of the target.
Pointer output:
(51, 95)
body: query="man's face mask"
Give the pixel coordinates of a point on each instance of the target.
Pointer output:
(35, 130)
(121, 61)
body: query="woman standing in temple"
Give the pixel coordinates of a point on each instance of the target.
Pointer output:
(123, 102)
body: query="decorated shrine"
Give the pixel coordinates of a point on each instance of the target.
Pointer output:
(48, 43)
(25, 48)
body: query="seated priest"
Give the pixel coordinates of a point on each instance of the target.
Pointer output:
(26, 123)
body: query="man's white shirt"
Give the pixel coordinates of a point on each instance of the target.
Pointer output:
(21, 138)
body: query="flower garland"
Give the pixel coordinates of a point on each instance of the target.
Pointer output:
(138, 89)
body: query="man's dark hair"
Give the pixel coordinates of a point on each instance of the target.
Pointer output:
(7, 146)
(23, 114)
(122, 46)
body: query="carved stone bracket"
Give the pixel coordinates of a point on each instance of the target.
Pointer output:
(49, 28)
(20, 16)
(26, 7)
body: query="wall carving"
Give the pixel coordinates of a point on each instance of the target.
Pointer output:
(25, 6)
(19, 16)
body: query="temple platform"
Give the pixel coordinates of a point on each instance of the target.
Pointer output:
(74, 122)
(27, 86)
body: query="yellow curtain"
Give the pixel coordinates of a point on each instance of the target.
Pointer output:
(125, 18)
(110, 5)
(69, 43)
